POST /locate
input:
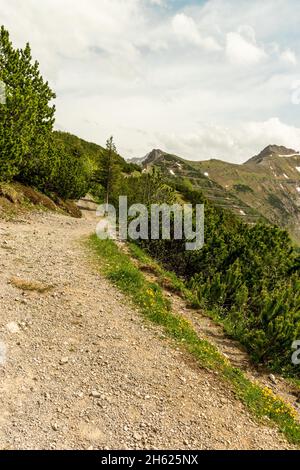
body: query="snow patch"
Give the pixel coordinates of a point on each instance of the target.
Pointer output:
(242, 212)
(298, 189)
(286, 176)
(172, 173)
(290, 155)
(206, 174)
(298, 168)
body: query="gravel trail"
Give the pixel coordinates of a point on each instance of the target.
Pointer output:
(81, 369)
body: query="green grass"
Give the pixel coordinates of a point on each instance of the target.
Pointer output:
(148, 297)
(165, 278)
(233, 329)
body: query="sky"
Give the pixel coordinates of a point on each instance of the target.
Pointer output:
(200, 79)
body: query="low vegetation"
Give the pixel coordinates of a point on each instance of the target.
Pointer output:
(27, 285)
(243, 188)
(148, 297)
(17, 199)
(248, 276)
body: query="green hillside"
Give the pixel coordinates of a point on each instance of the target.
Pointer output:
(174, 167)
(269, 183)
(266, 188)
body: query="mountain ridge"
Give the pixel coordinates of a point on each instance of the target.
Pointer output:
(272, 151)
(266, 186)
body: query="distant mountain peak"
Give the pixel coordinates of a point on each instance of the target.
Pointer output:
(151, 157)
(272, 151)
(154, 155)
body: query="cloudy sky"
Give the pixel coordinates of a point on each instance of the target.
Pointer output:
(202, 79)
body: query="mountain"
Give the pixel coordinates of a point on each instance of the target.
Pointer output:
(265, 187)
(150, 158)
(272, 151)
(173, 166)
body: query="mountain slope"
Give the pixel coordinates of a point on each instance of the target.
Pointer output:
(268, 182)
(91, 152)
(173, 166)
(266, 186)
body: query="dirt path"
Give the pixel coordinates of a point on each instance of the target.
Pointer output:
(83, 370)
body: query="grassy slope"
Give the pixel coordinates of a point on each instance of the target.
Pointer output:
(175, 167)
(92, 152)
(269, 187)
(255, 191)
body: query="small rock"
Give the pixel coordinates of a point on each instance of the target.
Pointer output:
(55, 426)
(95, 394)
(13, 327)
(63, 361)
(273, 379)
(137, 436)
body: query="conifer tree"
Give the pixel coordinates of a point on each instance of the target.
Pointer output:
(110, 172)
(27, 117)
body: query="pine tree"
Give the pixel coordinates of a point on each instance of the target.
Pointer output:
(27, 117)
(110, 171)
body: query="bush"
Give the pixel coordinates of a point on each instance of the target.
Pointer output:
(248, 275)
(72, 177)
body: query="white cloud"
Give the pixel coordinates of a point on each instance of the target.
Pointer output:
(201, 80)
(186, 29)
(272, 131)
(247, 32)
(158, 2)
(241, 51)
(289, 56)
(236, 144)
